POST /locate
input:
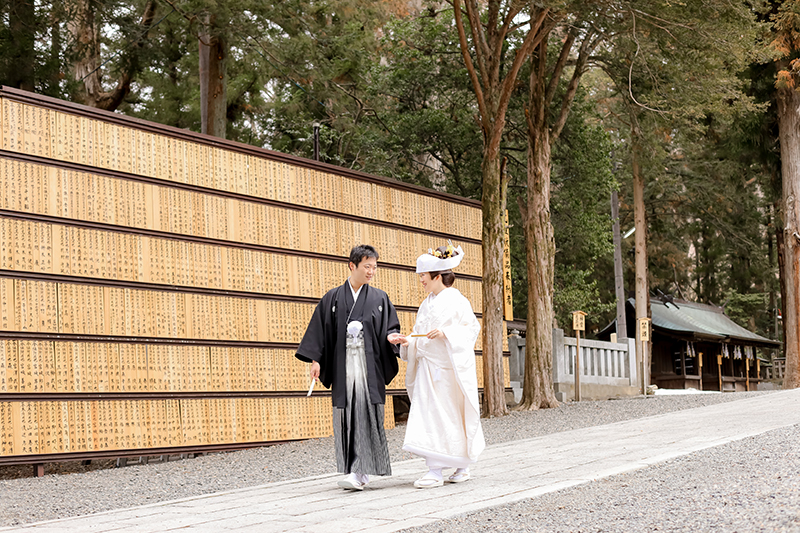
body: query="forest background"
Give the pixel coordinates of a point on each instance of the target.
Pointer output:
(679, 95)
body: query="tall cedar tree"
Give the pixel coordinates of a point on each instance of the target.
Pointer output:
(786, 42)
(212, 44)
(673, 66)
(578, 38)
(490, 25)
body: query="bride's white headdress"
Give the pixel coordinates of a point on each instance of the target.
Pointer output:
(437, 261)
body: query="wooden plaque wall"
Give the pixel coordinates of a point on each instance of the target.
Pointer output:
(154, 283)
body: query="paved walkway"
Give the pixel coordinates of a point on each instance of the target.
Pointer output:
(505, 473)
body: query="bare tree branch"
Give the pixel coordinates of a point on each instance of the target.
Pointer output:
(673, 23)
(499, 37)
(532, 40)
(476, 84)
(482, 50)
(587, 47)
(559, 67)
(630, 72)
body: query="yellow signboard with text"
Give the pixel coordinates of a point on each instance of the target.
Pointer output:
(508, 301)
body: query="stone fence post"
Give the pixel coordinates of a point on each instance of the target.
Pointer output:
(516, 363)
(634, 372)
(560, 363)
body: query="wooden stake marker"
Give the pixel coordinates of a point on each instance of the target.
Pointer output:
(578, 324)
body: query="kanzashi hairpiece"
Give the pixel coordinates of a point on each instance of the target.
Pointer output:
(450, 251)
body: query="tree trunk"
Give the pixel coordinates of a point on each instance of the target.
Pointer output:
(86, 64)
(86, 52)
(619, 279)
(213, 80)
(493, 94)
(781, 279)
(773, 298)
(494, 201)
(789, 134)
(22, 23)
(540, 248)
(54, 72)
(772, 245)
(641, 287)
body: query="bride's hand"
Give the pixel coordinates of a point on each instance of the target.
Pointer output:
(435, 334)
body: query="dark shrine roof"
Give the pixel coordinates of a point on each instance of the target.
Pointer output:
(696, 321)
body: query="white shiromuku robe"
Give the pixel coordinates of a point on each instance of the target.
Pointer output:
(444, 422)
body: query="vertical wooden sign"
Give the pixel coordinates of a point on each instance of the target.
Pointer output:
(578, 325)
(644, 338)
(508, 301)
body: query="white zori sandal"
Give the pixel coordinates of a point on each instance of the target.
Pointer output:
(428, 481)
(459, 476)
(354, 482)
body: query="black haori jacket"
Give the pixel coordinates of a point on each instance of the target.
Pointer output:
(324, 340)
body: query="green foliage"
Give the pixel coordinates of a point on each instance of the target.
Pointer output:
(393, 98)
(323, 53)
(169, 91)
(751, 311)
(582, 182)
(430, 110)
(680, 93)
(407, 114)
(31, 47)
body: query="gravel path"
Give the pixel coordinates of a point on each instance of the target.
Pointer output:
(746, 473)
(745, 486)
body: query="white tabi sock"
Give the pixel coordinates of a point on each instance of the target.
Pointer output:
(436, 473)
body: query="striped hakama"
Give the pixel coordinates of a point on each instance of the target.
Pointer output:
(358, 428)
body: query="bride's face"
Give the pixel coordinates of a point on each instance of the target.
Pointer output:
(429, 284)
(425, 279)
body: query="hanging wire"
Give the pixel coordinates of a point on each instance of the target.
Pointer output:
(246, 37)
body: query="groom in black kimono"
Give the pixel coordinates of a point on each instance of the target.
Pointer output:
(347, 344)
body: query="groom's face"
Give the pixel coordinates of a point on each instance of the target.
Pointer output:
(364, 272)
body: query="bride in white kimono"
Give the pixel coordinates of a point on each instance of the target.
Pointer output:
(444, 422)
